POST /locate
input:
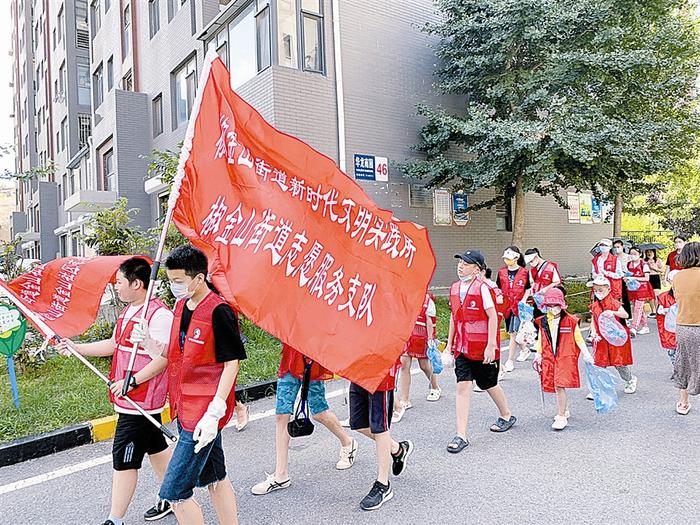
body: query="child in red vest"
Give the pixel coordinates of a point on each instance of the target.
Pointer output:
(417, 347)
(135, 436)
(665, 301)
(473, 337)
(514, 282)
(606, 354)
(370, 415)
(290, 376)
(559, 344)
(203, 360)
(639, 271)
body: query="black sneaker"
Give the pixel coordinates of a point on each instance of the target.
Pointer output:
(108, 522)
(158, 511)
(399, 460)
(377, 496)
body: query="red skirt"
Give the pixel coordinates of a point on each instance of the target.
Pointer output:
(416, 347)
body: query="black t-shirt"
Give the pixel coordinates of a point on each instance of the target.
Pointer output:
(511, 278)
(227, 335)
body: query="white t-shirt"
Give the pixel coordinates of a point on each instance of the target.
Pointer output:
(485, 294)
(431, 311)
(158, 327)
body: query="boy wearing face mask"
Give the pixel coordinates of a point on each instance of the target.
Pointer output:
(640, 272)
(473, 337)
(134, 435)
(204, 355)
(514, 283)
(606, 354)
(558, 347)
(608, 265)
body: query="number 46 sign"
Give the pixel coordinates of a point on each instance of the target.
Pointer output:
(13, 328)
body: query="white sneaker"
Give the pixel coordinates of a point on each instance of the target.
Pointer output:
(631, 385)
(510, 366)
(476, 388)
(643, 331)
(269, 485)
(589, 396)
(560, 422)
(345, 423)
(347, 456)
(633, 332)
(400, 411)
(524, 355)
(434, 394)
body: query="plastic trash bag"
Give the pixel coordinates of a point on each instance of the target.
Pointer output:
(603, 385)
(525, 312)
(539, 299)
(527, 334)
(670, 319)
(447, 358)
(611, 330)
(434, 357)
(633, 285)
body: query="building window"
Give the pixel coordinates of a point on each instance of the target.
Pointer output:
(108, 182)
(174, 6)
(84, 129)
(107, 4)
(54, 39)
(126, 32)
(312, 35)
(83, 73)
(98, 86)
(184, 86)
(59, 24)
(110, 73)
(157, 115)
(504, 217)
(153, 16)
(262, 25)
(95, 17)
(82, 28)
(241, 36)
(61, 80)
(64, 133)
(128, 81)
(74, 243)
(287, 32)
(163, 205)
(63, 245)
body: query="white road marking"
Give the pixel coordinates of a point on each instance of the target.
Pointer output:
(78, 467)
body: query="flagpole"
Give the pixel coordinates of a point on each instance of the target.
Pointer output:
(41, 325)
(172, 201)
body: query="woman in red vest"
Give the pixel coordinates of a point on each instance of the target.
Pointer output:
(417, 347)
(672, 259)
(513, 281)
(667, 339)
(608, 265)
(639, 271)
(473, 337)
(606, 354)
(559, 344)
(203, 360)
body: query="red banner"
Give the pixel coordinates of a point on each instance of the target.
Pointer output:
(66, 293)
(294, 243)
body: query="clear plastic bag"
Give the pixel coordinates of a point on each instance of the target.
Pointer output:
(525, 312)
(435, 357)
(611, 330)
(670, 319)
(527, 334)
(447, 358)
(633, 284)
(603, 384)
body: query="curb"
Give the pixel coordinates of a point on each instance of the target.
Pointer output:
(101, 429)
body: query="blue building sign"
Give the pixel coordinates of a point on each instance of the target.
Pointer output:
(364, 167)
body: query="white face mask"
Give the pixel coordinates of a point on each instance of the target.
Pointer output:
(604, 249)
(617, 250)
(182, 290)
(634, 257)
(465, 278)
(601, 295)
(554, 310)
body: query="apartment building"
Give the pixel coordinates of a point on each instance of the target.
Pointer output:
(342, 75)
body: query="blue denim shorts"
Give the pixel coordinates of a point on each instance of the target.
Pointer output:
(288, 387)
(188, 470)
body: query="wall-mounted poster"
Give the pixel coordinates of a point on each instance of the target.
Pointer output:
(573, 203)
(607, 211)
(460, 208)
(596, 211)
(585, 208)
(442, 208)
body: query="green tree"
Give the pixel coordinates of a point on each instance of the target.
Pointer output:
(111, 232)
(589, 94)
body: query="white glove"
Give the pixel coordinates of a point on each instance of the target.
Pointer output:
(141, 336)
(588, 358)
(208, 427)
(661, 310)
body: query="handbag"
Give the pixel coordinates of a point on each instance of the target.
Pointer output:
(301, 424)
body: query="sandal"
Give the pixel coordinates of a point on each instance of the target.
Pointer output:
(681, 410)
(457, 445)
(501, 425)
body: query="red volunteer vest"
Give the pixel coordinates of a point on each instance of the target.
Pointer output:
(645, 292)
(672, 261)
(293, 362)
(513, 292)
(152, 394)
(471, 324)
(560, 365)
(605, 353)
(668, 339)
(610, 265)
(417, 344)
(193, 372)
(542, 277)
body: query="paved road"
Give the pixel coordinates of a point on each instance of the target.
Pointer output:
(639, 464)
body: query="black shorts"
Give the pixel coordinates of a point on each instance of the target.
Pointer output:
(655, 281)
(135, 437)
(371, 411)
(485, 375)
